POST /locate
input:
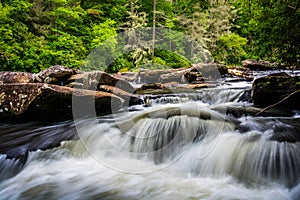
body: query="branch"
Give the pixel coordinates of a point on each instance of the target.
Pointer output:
(275, 104)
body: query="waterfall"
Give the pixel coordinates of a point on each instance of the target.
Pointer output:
(181, 149)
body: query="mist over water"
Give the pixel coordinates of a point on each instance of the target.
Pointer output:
(180, 148)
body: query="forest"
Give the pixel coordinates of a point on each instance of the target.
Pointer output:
(36, 34)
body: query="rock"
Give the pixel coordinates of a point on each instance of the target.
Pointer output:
(172, 77)
(57, 71)
(210, 70)
(75, 85)
(52, 80)
(279, 74)
(246, 96)
(153, 76)
(198, 86)
(257, 65)
(192, 76)
(92, 80)
(272, 89)
(56, 75)
(44, 102)
(127, 76)
(130, 99)
(153, 88)
(241, 72)
(16, 77)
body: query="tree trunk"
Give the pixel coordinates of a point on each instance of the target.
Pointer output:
(154, 32)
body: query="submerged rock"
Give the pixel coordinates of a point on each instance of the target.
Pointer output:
(273, 89)
(44, 102)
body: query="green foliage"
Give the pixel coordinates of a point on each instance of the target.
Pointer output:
(122, 63)
(230, 49)
(171, 59)
(37, 34)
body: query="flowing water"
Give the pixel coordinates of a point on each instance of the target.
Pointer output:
(181, 147)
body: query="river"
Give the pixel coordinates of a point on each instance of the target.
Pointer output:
(181, 147)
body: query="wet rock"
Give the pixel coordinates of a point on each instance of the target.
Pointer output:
(16, 77)
(246, 96)
(92, 80)
(272, 89)
(198, 86)
(279, 74)
(193, 77)
(44, 102)
(153, 86)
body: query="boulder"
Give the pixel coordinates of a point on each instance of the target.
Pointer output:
(130, 99)
(56, 74)
(152, 76)
(16, 77)
(194, 77)
(153, 88)
(127, 76)
(241, 72)
(272, 89)
(92, 81)
(258, 65)
(44, 102)
(210, 70)
(172, 77)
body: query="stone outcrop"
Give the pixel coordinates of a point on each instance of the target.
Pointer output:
(274, 88)
(44, 102)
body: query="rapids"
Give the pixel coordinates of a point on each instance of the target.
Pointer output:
(181, 147)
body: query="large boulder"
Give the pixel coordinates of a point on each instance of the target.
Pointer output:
(153, 76)
(56, 74)
(92, 81)
(272, 89)
(44, 102)
(16, 77)
(259, 65)
(210, 70)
